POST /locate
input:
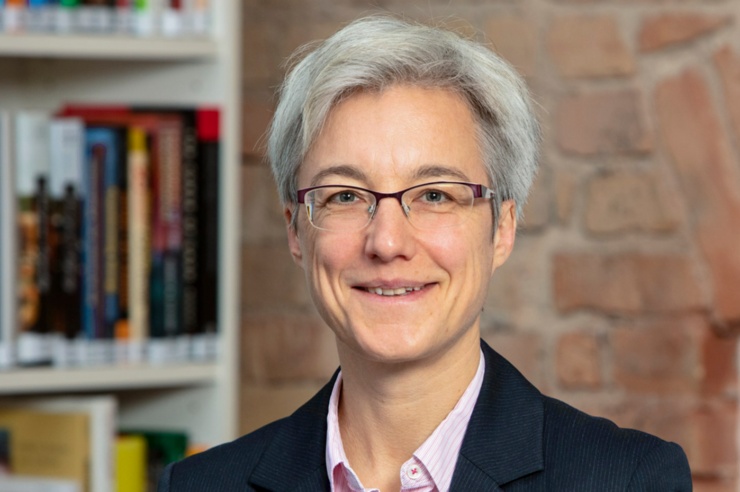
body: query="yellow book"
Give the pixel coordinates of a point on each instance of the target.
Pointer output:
(131, 463)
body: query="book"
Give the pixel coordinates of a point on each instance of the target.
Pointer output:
(99, 414)
(189, 222)
(33, 277)
(208, 129)
(7, 247)
(162, 448)
(50, 445)
(66, 16)
(13, 15)
(164, 144)
(67, 145)
(134, 334)
(39, 16)
(131, 463)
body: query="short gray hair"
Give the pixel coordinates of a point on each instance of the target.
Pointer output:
(376, 52)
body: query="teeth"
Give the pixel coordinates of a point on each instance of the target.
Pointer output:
(393, 292)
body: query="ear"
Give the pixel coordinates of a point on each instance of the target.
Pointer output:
(293, 243)
(503, 241)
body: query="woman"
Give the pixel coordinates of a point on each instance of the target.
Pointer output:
(403, 155)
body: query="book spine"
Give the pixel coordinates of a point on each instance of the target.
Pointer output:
(7, 246)
(209, 161)
(66, 18)
(14, 16)
(190, 231)
(32, 167)
(92, 245)
(67, 158)
(170, 141)
(121, 329)
(138, 240)
(111, 254)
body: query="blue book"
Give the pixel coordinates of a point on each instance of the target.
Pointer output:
(100, 233)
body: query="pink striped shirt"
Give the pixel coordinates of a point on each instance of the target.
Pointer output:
(431, 466)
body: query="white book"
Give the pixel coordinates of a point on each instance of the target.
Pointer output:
(31, 168)
(102, 411)
(8, 244)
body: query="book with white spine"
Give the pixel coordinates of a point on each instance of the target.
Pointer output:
(7, 246)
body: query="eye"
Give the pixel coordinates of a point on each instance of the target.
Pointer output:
(344, 197)
(433, 196)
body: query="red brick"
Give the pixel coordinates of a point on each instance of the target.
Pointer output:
(719, 363)
(712, 450)
(286, 346)
(539, 204)
(702, 484)
(625, 283)
(589, 46)
(664, 416)
(514, 38)
(578, 361)
(728, 65)
(521, 349)
(698, 145)
(262, 219)
(630, 201)
(257, 109)
(270, 278)
(565, 189)
(602, 123)
(674, 28)
(656, 358)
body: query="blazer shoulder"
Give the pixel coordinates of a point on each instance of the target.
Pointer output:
(596, 450)
(224, 467)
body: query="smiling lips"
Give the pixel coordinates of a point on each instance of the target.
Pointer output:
(401, 291)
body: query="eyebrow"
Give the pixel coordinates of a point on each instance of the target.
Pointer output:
(424, 172)
(436, 171)
(340, 170)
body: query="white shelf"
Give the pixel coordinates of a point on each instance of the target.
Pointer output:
(43, 72)
(104, 378)
(105, 47)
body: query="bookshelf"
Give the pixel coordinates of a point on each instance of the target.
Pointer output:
(45, 71)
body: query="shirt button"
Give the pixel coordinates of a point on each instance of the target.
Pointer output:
(413, 472)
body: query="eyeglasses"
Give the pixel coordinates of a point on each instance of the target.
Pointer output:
(430, 206)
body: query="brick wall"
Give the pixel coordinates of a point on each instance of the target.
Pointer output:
(623, 294)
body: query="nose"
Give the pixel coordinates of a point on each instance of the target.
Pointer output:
(390, 235)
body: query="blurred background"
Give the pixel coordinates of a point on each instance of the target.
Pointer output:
(623, 294)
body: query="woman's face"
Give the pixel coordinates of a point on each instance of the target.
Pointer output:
(387, 142)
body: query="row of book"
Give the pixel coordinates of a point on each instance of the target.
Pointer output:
(73, 444)
(167, 18)
(109, 227)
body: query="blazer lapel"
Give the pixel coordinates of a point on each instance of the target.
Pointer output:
(504, 439)
(295, 458)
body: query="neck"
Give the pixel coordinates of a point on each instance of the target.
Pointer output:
(391, 409)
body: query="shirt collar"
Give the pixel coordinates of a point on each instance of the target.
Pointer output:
(438, 453)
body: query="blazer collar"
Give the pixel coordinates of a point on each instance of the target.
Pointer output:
(504, 439)
(503, 442)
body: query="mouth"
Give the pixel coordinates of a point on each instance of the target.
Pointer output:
(392, 292)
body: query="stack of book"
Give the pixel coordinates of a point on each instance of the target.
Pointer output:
(112, 218)
(72, 444)
(168, 18)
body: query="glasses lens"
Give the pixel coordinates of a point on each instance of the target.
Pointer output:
(339, 208)
(439, 205)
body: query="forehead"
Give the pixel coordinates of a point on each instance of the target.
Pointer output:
(400, 135)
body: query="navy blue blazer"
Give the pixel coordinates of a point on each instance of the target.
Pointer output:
(517, 440)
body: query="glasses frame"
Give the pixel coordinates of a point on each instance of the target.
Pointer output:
(479, 191)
